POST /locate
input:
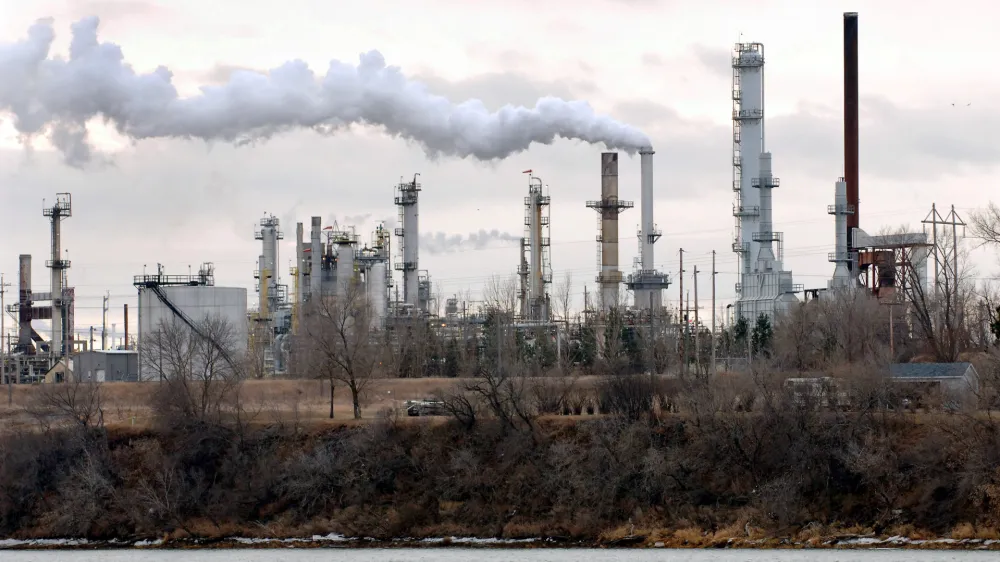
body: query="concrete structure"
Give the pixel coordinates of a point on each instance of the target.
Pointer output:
(315, 270)
(955, 384)
(187, 301)
(409, 234)
(107, 366)
(764, 287)
(609, 207)
(646, 283)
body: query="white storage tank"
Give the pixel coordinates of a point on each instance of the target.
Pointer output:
(196, 303)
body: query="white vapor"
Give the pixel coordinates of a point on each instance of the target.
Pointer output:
(441, 243)
(57, 96)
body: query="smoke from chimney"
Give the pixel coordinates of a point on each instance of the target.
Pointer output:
(56, 97)
(440, 243)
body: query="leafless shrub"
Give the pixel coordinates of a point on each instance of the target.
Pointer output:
(76, 402)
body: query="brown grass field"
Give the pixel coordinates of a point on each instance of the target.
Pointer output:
(266, 402)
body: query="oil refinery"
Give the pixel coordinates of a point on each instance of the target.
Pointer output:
(331, 259)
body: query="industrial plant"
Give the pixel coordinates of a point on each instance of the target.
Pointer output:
(332, 259)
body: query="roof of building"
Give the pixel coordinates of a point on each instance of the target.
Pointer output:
(928, 370)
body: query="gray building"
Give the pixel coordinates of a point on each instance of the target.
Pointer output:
(954, 382)
(107, 366)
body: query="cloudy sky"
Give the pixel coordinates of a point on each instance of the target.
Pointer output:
(927, 132)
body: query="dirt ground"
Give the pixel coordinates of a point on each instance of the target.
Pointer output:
(266, 401)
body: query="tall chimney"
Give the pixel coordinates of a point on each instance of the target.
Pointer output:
(851, 121)
(24, 343)
(126, 326)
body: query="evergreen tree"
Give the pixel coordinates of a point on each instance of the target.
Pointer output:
(762, 336)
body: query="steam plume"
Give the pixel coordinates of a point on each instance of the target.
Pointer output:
(441, 243)
(57, 97)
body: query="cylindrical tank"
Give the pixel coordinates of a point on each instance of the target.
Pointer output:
(345, 267)
(377, 290)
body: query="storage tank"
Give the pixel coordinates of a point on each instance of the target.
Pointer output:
(377, 290)
(196, 303)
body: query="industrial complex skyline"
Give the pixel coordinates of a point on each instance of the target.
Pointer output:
(923, 139)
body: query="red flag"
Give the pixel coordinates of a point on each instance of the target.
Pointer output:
(526, 172)
(327, 228)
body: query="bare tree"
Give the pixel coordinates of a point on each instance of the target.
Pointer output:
(985, 224)
(500, 294)
(564, 297)
(340, 336)
(797, 343)
(76, 401)
(198, 366)
(852, 326)
(939, 311)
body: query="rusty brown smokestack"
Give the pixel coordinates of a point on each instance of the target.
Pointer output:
(851, 121)
(126, 326)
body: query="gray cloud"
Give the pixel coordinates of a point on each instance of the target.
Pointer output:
(897, 142)
(715, 59)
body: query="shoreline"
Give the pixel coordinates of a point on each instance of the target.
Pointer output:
(843, 542)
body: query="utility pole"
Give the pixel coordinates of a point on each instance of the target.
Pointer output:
(697, 343)
(713, 312)
(687, 327)
(3, 335)
(104, 322)
(681, 328)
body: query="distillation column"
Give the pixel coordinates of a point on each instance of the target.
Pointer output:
(609, 207)
(269, 234)
(537, 221)
(409, 232)
(748, 144)
(316, 259)
(63, 208)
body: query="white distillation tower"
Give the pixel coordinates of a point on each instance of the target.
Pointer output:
(764, 288)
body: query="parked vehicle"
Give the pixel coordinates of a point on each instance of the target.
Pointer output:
(425, 408)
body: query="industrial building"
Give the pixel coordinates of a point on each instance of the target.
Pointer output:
(332, 258)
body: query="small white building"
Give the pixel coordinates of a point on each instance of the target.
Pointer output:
(954, 383)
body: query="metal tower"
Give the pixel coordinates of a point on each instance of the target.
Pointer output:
(269, 232)
(608, 208)
(63, 208)
(748, 143)
(409, 234)
(764, 287)
(539, 273)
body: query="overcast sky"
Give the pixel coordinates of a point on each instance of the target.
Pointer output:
(927, 132)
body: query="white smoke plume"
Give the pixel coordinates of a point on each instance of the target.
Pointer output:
(56, 96)
(441, 243)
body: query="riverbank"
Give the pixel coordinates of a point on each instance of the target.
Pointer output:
(853, 542)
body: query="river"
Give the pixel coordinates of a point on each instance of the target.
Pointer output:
(495, 555)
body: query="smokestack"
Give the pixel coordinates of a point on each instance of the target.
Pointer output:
(851, 121)
(649, 234)
(609, 277)
(24, 304)
(126, 326)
